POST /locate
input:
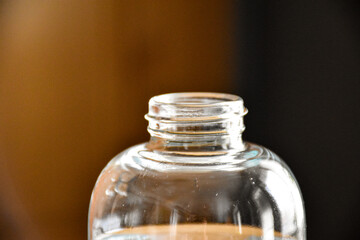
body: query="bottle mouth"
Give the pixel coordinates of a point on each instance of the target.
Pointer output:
(194, 107)
(195, 98)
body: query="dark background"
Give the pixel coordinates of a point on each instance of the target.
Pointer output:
(75, 78)
(302, 85)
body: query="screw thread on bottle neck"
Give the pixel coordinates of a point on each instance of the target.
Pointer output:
(198, 119)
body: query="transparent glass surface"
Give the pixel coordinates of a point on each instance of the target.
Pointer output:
(196, 179)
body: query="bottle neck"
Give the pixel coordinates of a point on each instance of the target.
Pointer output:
(196, 122)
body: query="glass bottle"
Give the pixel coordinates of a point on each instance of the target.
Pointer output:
(196, 179)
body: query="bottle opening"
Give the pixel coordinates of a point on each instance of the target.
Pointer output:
(195, 106)
(195, 98)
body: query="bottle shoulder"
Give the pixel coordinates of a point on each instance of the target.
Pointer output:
(142, 157)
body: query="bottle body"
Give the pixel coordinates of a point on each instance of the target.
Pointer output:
(251, 189)
(168, 189)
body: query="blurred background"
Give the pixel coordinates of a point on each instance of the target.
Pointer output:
(76, 76)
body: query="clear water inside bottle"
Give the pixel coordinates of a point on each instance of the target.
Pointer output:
(193, 232)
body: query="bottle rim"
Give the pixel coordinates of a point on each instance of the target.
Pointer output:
(196, 99)
(195, 106)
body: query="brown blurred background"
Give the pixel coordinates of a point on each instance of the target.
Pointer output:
(75, 78)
